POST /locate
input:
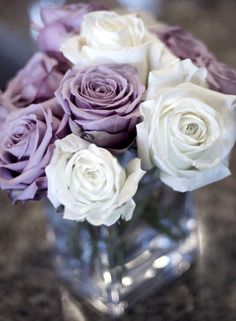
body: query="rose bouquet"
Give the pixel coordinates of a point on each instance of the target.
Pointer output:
(107, 102)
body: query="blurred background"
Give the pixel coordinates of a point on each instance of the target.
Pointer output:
(28, 288)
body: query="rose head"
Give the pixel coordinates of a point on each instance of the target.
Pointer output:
(107, 37)
(33, 84)
(220, 77)
(26, 147)
(89, 182)
(187, 132)
(102, 103)
(61, 22)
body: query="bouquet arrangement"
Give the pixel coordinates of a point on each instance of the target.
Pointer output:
(107, 99)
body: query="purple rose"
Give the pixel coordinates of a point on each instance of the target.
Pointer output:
(35, 83)
(221, 77)
(102, 103)
(61, 22)
(182, 44)
(26, 148)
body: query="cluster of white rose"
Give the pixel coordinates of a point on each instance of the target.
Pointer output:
(187, 131)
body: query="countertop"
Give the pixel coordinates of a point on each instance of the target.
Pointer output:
(29, 290)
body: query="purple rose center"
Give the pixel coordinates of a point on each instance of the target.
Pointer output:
(101, 91)
(23, 131)
(24, 138)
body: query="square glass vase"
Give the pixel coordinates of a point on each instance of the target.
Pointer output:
(112, 268)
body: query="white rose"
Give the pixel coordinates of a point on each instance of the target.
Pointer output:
(176, 74)
(188, 133)
(90, 183)
(107, 37)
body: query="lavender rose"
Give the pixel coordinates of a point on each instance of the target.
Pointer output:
(60, 22)
(35, 83)
(221, 77)
(182, 44)
(102, 103)
(26, 148)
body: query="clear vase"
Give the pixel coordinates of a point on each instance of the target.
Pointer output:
(112, 268)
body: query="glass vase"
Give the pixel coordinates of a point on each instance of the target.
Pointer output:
(112, 268)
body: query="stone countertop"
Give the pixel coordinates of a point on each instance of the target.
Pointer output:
(207, 292)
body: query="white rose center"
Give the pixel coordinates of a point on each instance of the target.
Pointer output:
(194, 127)
(90, 179)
